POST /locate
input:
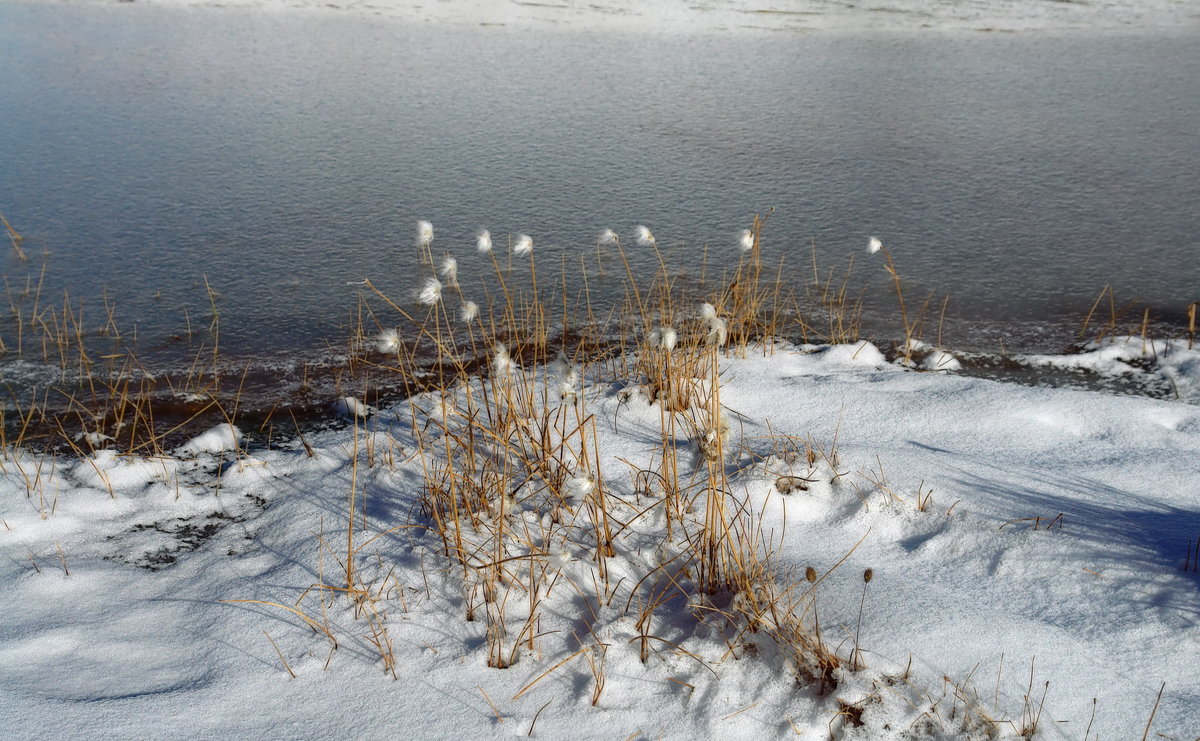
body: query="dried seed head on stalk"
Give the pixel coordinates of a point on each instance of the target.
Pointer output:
(874, 245)
(449, 270)
(663, 338)
(502, 363)
(424, 233)
(746, 240)
(388, 341)
(714, 443)
(644, 236)
(431, 292)
(468, 311)
(608, 237)
(523, 246)
(483, 241)
(567, 375)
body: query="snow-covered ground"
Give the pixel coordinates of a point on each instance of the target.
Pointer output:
(718, 16)
(1027, 547)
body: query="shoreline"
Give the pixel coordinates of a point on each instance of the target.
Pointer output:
(723, 17)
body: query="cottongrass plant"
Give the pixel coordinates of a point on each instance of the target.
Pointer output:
(512, 442)
(425, 241)
(449, 271)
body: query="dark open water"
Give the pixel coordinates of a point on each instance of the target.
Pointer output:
(284, 156)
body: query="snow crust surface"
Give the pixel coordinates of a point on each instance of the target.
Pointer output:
(1017, 536)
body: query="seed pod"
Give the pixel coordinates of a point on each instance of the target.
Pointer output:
(867, 576)
(811, 574)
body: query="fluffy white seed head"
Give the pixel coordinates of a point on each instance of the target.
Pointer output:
(708, 312)
(483, 241)
(388, 341)
(502, 363)
(718, 332)
(644, 236)
(424, 233)
(746, 240)
(566, 374)
(874, 245)
(449, 270)
(664, 338)
(468, 311)
(523, 246)
(608, 236)
(431, 292)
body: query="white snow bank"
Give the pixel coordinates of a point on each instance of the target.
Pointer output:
(1010, 531)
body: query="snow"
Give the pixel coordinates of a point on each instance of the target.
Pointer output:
(215, 440)
(741, 16)
(1137, 359)
(1017, 536)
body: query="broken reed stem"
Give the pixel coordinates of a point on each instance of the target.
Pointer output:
(15, 239)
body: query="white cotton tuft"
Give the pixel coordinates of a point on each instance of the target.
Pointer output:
(468, 311)
(644, 236)
(718, 332)
(608, 236)
(716, 329)
(567, 375)
(424, 233)
(431, 292)
(502, 363)
(449, 270)
(874, 245)
(746, 240)
(483, 241)
(523, 246)
(664, 338)
(388, 341)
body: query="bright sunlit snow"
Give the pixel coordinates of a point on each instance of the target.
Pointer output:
(1017, 537)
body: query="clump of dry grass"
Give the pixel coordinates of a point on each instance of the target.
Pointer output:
(514, 485)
